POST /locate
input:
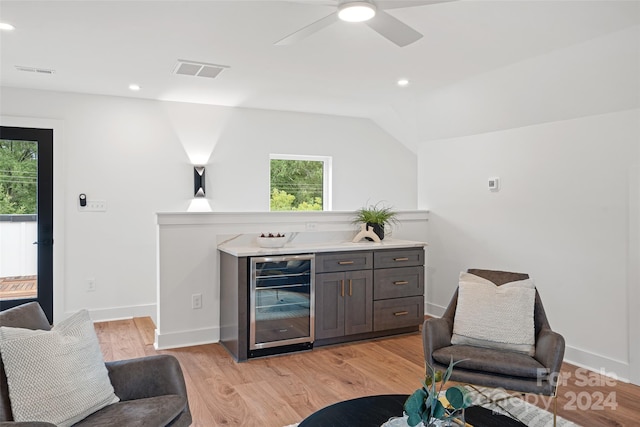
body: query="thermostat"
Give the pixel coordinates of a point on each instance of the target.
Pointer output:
(494, 184)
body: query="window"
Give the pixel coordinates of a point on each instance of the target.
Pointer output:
(300, 183)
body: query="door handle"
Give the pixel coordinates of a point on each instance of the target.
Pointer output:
(401, 313)
(342, 286)
(46, 242)
(350, 288)
(400, 282)
(401, 259)
(345, 262)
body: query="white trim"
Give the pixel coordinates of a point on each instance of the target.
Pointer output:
(597, 363)
(633, 276)
(261, 218)
(327, 174)
(120, 313)
(59, 180)
(186, 338)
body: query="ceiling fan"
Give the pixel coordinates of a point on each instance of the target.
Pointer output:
(372, 13)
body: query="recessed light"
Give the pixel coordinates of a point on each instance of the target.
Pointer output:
(134, 87)
(6, 27)
(403, 82)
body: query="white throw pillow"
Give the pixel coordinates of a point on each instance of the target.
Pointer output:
(492, 316)
(56, 376)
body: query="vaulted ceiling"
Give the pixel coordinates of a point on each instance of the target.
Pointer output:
(100, 47)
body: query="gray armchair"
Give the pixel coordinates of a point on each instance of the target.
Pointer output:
(496, 368)
(151, 389)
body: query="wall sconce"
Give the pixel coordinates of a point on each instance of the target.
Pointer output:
(198, 181)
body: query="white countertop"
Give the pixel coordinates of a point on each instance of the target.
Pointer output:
(252, 248)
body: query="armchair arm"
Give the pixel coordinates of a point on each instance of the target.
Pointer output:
(550, 351)
(436, 334)
(147, 377)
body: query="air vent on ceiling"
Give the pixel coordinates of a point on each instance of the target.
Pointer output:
(34, 70)
(198, 69)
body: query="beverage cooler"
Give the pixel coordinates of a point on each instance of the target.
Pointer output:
(281, 312)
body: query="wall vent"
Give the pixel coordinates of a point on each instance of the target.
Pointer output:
(34, 70)
(198, 69)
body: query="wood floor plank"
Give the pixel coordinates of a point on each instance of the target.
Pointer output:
(281, 390)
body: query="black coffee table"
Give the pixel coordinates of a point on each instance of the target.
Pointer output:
(373, 411)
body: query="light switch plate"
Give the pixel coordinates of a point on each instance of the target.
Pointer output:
(94, 206)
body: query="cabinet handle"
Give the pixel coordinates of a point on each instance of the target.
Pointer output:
(345, 262)
(401, 259)
(401, 313)
(350, 288)
(342, 286)
(401, 282)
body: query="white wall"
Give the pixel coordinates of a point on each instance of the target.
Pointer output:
(562, 131)
(563, 215)
(138, 156)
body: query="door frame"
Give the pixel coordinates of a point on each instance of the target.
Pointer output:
(44, 195)
(58, 202)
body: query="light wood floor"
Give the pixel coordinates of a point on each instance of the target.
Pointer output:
(277, 391)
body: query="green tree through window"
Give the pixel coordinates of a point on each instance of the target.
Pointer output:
(18, 177)
(297, 185)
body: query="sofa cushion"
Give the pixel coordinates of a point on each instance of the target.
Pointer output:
(491, 316)
(151, 412)
(30, 316)
(56, 376)
(491, 360)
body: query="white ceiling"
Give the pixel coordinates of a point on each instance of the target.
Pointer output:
(100, 47)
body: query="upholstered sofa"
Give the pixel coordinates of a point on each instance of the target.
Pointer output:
(151, 389)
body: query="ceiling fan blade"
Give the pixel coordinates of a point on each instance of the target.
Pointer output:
(396, 31)
(308, 30)
(398, 4)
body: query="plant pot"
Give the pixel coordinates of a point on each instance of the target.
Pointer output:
(378, 229)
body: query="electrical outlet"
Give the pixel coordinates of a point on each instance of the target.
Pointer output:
(196, 301)
(94, 206)
(311, 226)
(91, 285)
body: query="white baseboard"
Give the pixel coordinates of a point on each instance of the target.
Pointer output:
(119, 313)
(616, 369)
(186, 338)
(434, 310)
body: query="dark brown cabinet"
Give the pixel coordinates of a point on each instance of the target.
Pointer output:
(398, 281)
(344, 303)
(358, 294)
(366, 294)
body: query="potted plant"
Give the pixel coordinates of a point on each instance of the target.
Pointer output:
(376, 216)
(426, 405)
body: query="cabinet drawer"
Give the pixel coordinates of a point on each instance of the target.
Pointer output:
(344, 261)
(398, 258)
(398, 313)
(398, 282)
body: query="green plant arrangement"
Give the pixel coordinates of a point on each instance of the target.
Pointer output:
(425, 405)
(376, 216)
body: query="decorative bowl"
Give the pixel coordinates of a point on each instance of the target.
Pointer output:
(271, 242)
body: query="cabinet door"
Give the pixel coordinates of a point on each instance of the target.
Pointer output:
(329, 310)
(358, 311)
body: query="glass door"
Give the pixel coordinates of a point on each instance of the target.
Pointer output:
(26, 217)
(281, 301)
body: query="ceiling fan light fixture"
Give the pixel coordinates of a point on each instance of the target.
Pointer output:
(356, 11)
